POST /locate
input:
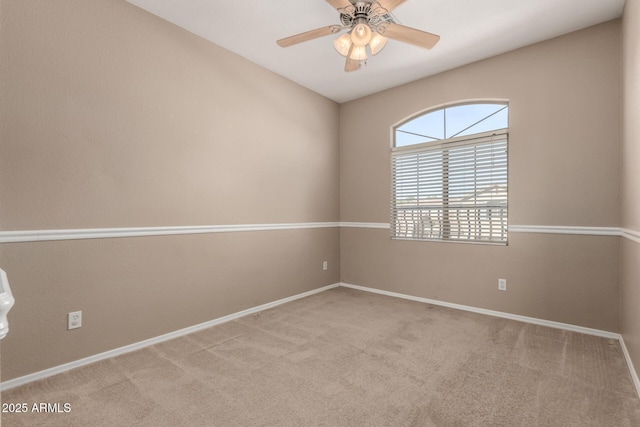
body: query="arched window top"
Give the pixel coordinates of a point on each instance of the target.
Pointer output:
(453, 121)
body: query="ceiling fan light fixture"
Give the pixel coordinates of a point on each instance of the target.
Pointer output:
(377, 43)
(368, 24)
(358, 53)
(361, 34)
(342, 44)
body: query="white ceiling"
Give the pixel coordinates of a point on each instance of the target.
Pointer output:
(470, 30)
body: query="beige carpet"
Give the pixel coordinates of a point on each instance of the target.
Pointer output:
(350, 358)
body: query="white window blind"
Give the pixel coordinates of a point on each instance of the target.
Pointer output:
(451, 190)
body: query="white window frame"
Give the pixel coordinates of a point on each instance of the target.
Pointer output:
(419, 171)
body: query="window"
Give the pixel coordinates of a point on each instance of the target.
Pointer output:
(449, 175)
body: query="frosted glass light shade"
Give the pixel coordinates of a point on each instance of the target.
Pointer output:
(361, 34)
(377, 43)
(342, 44)
(359, 53)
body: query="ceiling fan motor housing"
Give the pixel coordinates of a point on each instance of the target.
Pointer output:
(367, 13)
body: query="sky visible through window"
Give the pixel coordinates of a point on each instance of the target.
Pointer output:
(450, 122)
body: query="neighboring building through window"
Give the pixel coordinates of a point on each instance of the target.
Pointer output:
(449, 175)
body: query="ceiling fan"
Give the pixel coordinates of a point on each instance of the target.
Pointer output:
(370, 24)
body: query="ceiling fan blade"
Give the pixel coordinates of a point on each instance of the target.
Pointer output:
(389, 5)
(340, 4)
(409, 35)
(351, 64)
(309, 35)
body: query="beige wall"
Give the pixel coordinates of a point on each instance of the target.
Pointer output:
(563, 170)
(111, 117)
(631, 178)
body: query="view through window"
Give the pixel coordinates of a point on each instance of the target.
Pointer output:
(449, 175)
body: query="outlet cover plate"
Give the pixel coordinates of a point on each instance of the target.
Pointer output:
(74, 320)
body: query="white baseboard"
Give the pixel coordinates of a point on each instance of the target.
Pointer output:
(632, 369)
(6, 385)
(525, 319)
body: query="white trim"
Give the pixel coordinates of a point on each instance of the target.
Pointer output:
(36, 376)
(563, 229)
(532, 320)
(382, 225)
(101, 233)
(632, 369)
(435, 108)
(109, 233)
(630, 234)
(539, 229)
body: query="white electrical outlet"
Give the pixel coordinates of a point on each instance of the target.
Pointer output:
(325, 265)
(74, 320)
(502, 284)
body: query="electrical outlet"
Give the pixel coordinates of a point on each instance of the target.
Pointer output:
(74, 320)
(502, 284)
(325, 265)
